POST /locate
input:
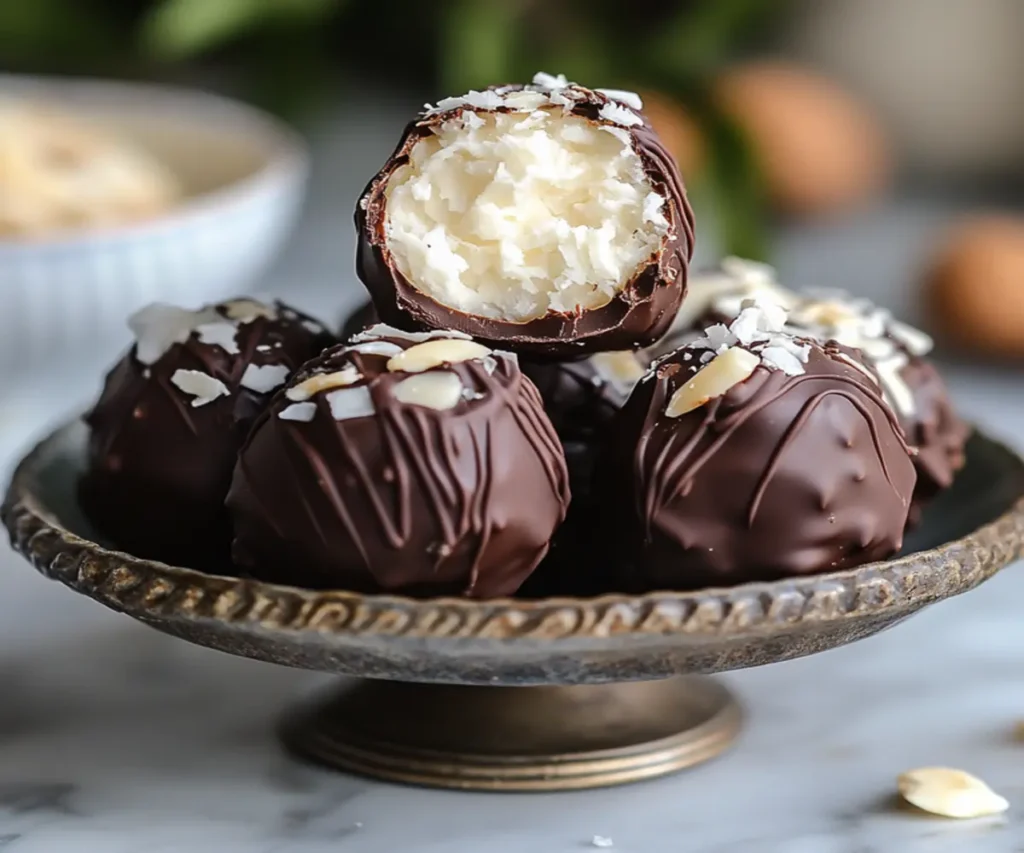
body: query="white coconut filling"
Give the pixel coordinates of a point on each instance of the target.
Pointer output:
(513, 215)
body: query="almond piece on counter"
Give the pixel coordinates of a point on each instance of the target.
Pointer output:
(949, 793)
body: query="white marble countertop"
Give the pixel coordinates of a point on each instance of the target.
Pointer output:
(118, 739)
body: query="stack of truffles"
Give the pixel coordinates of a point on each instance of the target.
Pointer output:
(536, 393)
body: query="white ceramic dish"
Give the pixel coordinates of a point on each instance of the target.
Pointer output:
(244, 175)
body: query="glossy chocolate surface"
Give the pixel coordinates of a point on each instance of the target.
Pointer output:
(782, 475)
(158, 466)
(380, 495)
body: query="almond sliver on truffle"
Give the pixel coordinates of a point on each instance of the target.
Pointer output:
(434, 353)
(723, 372)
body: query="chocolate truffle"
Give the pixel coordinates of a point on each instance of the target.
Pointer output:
(750, 454)
(910, 383)
(548, 217)
(173, 413)
(581, 397)
(415, 463)
(359, 320)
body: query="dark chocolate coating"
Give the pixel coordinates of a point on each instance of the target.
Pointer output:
(407, 499)
(362, 318)
(158, 468)
(781, 476)
(578, 399)
(935, 430)
(636, 317)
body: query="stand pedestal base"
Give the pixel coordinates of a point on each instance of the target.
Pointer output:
(516, 738)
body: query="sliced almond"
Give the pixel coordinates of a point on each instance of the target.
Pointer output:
(621, 367)
(323, 382)
(826, 314)
(439, 391)
(950, 793)
(247, 310)
(723, 372)
(430, 354)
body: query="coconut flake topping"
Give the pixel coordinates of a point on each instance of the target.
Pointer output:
(515, 214)
(202, 386)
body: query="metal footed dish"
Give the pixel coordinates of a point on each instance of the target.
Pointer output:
(449, 724)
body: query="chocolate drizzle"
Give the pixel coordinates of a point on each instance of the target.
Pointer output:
(158, 467)
(782, 475)
(409, 498)
(926, 414)
(636, 317)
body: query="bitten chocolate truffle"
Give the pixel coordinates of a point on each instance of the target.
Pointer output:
(898, 352)
(751, 454)
(173, 413)
(414, 463)
(547, 216)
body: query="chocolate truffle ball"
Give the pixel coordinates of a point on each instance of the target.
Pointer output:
(910, 383)
(581, 397)
(408, 463)
(750, 454)
(359, 320)
(173, 413)
(547, 216)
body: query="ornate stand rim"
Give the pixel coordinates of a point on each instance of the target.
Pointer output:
(151, 589)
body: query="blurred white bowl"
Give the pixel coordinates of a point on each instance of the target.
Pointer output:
(244, 175)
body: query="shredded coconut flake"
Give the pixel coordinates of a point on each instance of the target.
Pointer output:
(382, 330)
(203, 387)
(221, 335)
(782, 359)
(264, 378)
(518, 217)
(550, 81)
(348, 403)
(620, 115)
(159, 326)
(298, 412)
(377, 348)
(630, 99)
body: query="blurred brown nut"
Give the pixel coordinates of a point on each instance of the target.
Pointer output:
(678, 131)
(819, 149)
(975, 287)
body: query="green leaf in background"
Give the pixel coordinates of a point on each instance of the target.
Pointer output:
(739, 196)
(176, 29)
(478, 41)
(702, 35)
(66, 30)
